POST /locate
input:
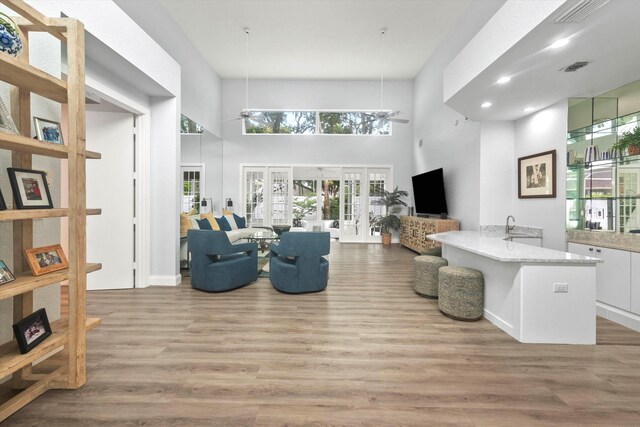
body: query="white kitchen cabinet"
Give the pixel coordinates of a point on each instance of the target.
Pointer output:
(613, 275)
(635, 282)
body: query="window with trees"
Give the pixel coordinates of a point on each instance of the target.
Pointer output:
(276, 122)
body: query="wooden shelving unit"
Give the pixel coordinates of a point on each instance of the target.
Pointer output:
(68, 341)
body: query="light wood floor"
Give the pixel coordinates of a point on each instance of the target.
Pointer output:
(367, 351)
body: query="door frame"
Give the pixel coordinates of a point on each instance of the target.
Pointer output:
(142, 132)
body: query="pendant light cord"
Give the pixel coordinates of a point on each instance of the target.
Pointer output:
(246, 80)
(382, 33)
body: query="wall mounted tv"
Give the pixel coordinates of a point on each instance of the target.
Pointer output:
(428, 193)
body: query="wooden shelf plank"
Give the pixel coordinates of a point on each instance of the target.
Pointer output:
(32, 146)
(18, 401)
(25, 282)
(93, 322)
(35, 146)
(25, 76)
(44, 23)
(11, 360)
(19, 214)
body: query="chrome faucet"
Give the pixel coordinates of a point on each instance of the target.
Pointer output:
(508, 228)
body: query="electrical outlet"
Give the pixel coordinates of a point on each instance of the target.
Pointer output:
(560, 288)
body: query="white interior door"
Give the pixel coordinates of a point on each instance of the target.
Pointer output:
(352, 221)
(110, 186)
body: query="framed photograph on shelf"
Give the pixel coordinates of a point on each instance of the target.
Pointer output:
(537, 175)
(46, 259)
(6, 275)
(48, 130)
(32, 330)
(30, 189)
(6, 122)
(3, 205)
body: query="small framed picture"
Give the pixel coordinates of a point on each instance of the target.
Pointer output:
(32, 330)
(5, 274)
(48, 130)
(3, 205)
(537, 175)
(30, 189)
(6, 122)
(46, 259)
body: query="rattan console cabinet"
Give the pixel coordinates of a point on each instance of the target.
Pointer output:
(414, 231)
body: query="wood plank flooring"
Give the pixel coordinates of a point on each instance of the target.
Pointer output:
(367, 351)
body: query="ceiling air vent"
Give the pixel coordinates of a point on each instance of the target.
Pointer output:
(577, 11)
(574, 67)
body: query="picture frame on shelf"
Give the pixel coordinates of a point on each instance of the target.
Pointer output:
(30, 189)
(6, 275)
(48, 130)
(7, 124)
(537, 175)
(32, 330)
(3, 205)
(46, 259)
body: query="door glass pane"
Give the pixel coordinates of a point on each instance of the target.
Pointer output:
(377, 183)
(191, 191)
(254, 197)
(352, 206)
(280, 198)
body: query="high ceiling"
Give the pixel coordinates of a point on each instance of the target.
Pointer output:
(316, 39)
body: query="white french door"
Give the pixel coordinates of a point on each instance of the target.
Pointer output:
(358, 208)
(267, 195)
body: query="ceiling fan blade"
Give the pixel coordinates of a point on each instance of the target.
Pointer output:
(393, 114)
(403, 121)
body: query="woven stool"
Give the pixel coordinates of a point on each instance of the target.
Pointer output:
(461, 292)
(425, 270)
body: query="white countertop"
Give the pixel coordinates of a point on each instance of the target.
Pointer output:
(495, 247)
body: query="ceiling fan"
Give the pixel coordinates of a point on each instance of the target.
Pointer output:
(381, 116)
(246, 114)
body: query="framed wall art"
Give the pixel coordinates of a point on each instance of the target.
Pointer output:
(3, 205)
(46, 259)
(48, 130)
(6, 275)
(32, 330)
(537, 175)
(6, 122)
(30, 189)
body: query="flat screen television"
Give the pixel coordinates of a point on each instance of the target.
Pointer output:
(428, 193)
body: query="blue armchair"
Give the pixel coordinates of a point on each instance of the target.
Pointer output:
(217, 265)
(296, 263)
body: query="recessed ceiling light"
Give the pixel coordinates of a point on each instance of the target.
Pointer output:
(528, 109)
(486, 104)
(559, 43)
(504, 79)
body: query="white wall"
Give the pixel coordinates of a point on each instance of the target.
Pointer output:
(448, 141)
(498, 171)
(201, 98)
(205, 149)
(543, 131)
(316, 149)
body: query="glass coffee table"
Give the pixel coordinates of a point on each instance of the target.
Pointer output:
(262, 238)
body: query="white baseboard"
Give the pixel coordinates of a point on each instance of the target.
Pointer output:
(621, 317)
(165, 280)
(500, 323)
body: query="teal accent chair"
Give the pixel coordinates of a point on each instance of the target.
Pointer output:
(296, 262)
(217, 265)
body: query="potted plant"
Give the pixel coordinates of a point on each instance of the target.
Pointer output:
(629, 141)
(392, 201)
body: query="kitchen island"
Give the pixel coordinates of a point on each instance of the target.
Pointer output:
(536, 295)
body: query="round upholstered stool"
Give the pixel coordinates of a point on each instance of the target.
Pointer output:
(425, 269)
(461, 292)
